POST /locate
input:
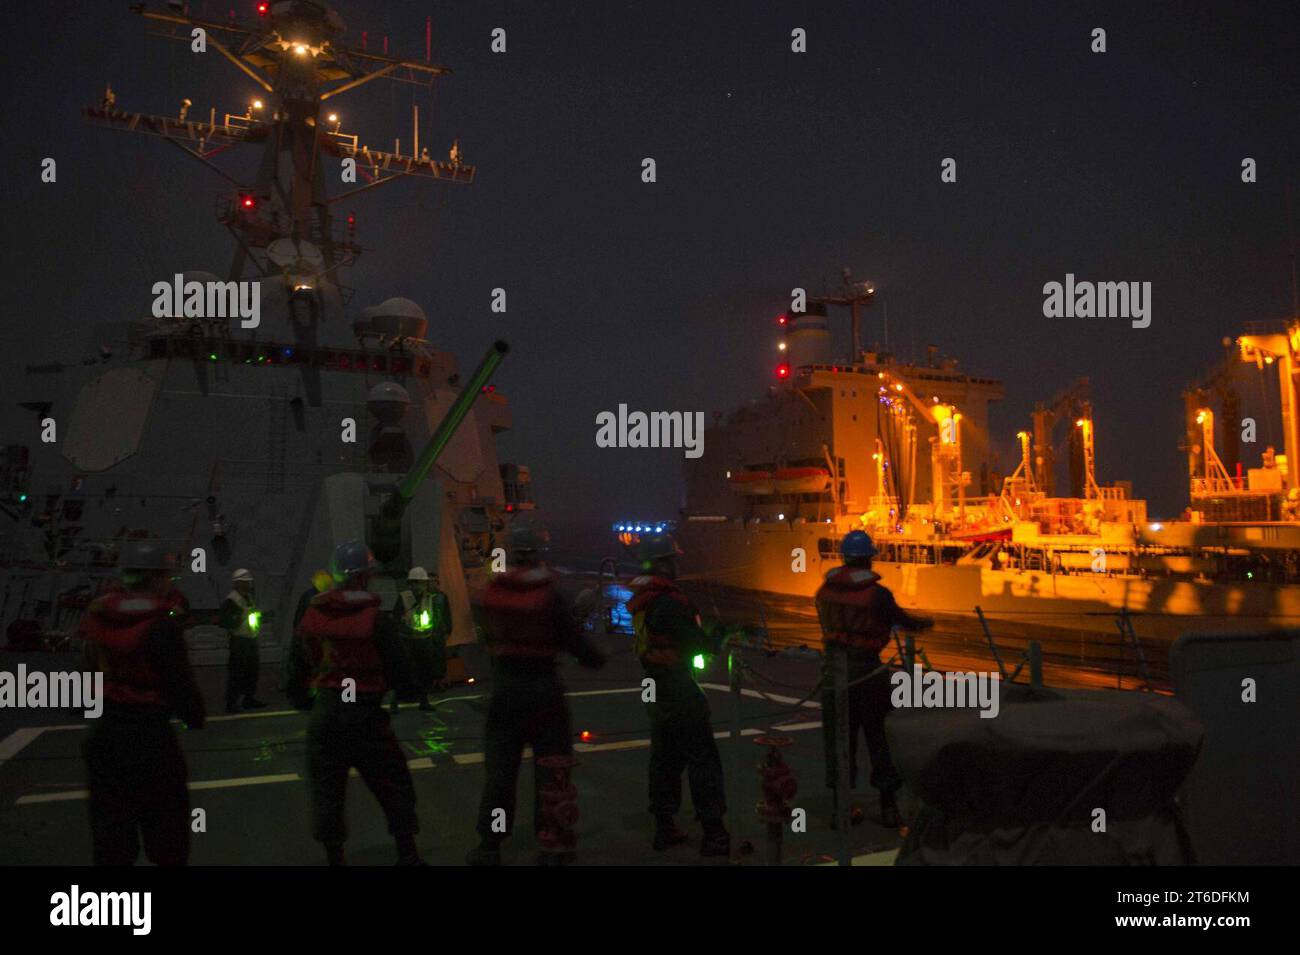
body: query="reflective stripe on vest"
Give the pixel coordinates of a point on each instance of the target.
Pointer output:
(250, 618)
(418, 616)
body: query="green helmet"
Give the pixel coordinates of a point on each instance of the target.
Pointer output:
(657, 547)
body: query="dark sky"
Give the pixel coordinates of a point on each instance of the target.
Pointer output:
(775, 170)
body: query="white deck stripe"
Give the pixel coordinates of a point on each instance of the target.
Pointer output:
(13, 744)
(883, 857)
(21, 738)
(789, 700)
(74, 794)
(263, 714)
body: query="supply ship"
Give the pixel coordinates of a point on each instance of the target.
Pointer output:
(902, 450)
(217, 434)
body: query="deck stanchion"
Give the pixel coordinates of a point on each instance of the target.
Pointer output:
(737, 760)
(839, 662)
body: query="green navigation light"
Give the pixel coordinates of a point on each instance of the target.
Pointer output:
(699, 661)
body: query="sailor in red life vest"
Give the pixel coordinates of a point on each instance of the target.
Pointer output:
(668, 637)
(859, 613)
(346, 655)
(526, 624)
(135, 768)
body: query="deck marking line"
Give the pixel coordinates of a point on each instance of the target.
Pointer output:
(201, 784)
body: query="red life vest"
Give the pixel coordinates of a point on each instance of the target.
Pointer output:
(338, 637)
(115, 627)
(655, 649)
(851, 604)
(518, 610)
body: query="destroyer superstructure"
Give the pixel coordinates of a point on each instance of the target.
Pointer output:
(214, 433)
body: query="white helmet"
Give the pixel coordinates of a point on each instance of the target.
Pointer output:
(418, 573)
(243, 573)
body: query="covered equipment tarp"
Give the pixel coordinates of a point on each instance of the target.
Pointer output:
(1023, 787)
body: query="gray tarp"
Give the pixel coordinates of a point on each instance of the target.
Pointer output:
(1022, 787)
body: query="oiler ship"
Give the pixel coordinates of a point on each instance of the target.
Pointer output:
(902, 449)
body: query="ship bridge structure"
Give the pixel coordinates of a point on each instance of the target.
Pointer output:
(856, 441)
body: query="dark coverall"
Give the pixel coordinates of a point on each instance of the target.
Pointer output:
(365, 647)
(860, 613)
(245, 659)
(526, 624)
(135, 770)
(681, 727)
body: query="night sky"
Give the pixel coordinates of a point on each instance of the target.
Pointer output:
(775, 170)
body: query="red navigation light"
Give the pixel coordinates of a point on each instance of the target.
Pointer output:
(782, 319)
(585, 736)
(262, 9)
(783, 370)
(248, 202)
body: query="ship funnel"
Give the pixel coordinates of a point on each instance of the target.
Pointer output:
(808, 337)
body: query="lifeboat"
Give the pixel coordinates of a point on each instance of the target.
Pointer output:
(802, 480)
(752, 483)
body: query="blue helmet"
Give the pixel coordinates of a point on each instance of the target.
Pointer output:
(857, 544)
(350, 557)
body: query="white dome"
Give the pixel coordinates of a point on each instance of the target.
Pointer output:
(395, 308)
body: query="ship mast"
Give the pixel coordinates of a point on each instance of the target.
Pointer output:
(856, 295)
(282, 222)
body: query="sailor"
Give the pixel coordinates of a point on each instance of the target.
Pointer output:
(858, 614)
(424, 617)
(526, 624)
(241, 619)
(134, 765)
(344, 657)
(443, 653)
(668, 637)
